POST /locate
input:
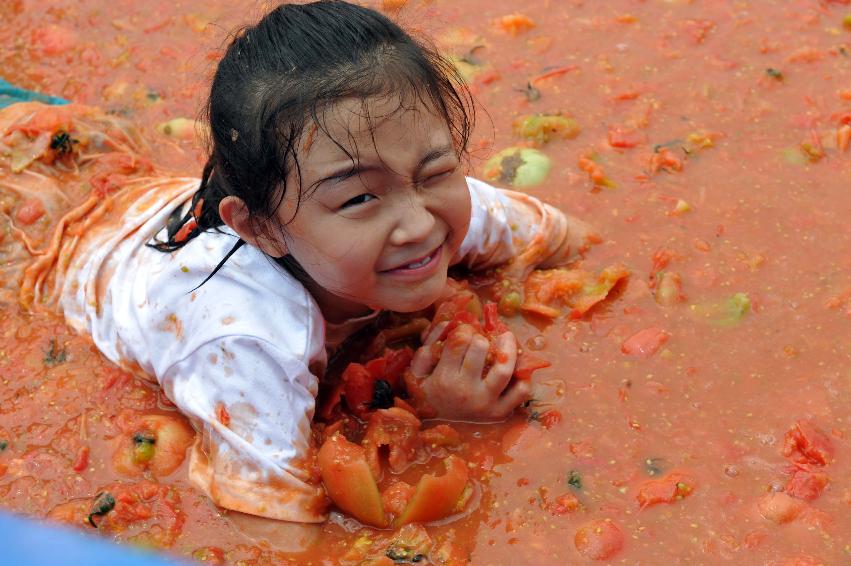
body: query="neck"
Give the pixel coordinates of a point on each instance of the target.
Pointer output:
(335, 309)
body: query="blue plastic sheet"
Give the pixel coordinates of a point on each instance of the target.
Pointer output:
(29, 543)
(10, 94)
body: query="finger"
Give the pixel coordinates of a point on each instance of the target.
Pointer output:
(500, 374)
(429, 337)
(517, 393)
(424, 360)
(455, 348)
(474, 359)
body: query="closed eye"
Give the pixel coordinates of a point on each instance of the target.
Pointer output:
(360, 199)
(439, 176)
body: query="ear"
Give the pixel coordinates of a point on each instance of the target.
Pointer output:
(234, 213)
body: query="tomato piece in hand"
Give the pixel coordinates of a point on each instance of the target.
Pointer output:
(493, 324)
(349, 481)
(436, 496)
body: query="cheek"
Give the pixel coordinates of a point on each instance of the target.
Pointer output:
(458, 211)
(335, 263)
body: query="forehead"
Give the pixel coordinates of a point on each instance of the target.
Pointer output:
(355, 128)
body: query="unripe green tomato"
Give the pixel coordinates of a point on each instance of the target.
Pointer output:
(518, 166)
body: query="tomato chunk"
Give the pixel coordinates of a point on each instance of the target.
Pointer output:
(436, 496)
(349, 481)
(645, 343)
(807, 444)
(668, 489)
(397, 429)
(599, 540)
(806, 484)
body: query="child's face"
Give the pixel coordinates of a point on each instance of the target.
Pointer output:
(381, 233)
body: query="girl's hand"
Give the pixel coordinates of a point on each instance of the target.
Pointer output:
(454, 385)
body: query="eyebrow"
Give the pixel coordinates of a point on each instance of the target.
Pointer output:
(433, 155)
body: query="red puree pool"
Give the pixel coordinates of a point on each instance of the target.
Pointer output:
(713, 158)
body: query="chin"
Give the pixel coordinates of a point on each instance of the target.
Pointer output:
(422, 297)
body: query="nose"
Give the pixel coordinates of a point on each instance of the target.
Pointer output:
(414, 222)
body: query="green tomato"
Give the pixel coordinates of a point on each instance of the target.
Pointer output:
(518, 166)
(143, 447)
(541, 127)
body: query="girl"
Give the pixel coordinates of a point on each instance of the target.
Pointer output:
(334, 189)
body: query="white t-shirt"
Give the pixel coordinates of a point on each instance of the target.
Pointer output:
(251, 340)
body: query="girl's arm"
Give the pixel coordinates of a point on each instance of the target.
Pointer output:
(252, 405)
(515, 229)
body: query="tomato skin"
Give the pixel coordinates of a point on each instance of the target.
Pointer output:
(493, 324)
(599, 540)
(807, 485)
(807, 444)
(550, 418)
(349, 481)
(625, 138)
(527, 364)
(397, 429)
(436, 496)
(645, 343)
(81, 462)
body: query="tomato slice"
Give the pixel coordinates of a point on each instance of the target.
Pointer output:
(349, 482)
(436, 496)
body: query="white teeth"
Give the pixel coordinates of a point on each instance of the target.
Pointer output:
(418, 264)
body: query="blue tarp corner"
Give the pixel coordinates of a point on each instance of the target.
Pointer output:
(10, 94)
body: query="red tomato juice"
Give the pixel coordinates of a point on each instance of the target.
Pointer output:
(711, 147)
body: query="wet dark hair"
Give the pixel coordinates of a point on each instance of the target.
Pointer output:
(279, 76)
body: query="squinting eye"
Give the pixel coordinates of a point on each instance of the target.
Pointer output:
(441, 175)
(360, 199)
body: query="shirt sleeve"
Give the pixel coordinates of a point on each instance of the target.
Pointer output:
(515, 228)
(252, 405)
